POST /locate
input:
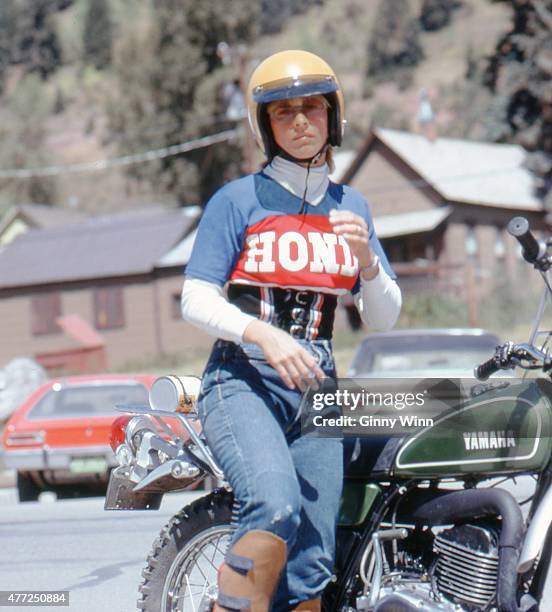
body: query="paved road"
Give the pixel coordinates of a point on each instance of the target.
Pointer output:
(98, 556)
(74, 545)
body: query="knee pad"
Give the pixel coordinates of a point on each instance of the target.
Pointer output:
(250, 572)
(312, 605)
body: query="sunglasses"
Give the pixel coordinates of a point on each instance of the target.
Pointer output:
(312, 109)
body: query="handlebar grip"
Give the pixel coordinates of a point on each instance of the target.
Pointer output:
(519, 228)
(484, 370)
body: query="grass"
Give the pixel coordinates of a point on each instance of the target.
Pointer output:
(190, 363)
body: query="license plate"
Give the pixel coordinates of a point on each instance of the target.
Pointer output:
(88, 465)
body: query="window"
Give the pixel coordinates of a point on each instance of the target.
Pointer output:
(410, 248)
(45, 309)
(109, 308)
(87, 400)
(176, 309)
(499, 246)
(471, 244)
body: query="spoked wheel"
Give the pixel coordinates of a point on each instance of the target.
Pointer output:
(181, 570)
(193, 579)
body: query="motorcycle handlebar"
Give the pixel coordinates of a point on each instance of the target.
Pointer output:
(508, 355)
(486, 369)
(519, 229)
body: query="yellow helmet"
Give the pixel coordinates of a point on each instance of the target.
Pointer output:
(292, 74)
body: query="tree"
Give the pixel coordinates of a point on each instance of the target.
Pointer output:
(8, 29)
(275, 13)
(300, 6)
(393, 47)
(98, 34)
(436, 14)
(38, 45)
(519, 74)
(22, 135)
(169, 75)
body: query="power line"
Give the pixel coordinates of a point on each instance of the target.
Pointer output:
(163, 127)
(126, 160)
(198, 143)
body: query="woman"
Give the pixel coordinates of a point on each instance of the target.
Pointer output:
(288, 242)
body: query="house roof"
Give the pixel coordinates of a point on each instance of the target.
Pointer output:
(120, 244)
(180, 254)
(342, 161)
(467, 171)
(40, 215)
(403, 224)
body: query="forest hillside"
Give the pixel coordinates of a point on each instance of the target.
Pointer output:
(94, 92)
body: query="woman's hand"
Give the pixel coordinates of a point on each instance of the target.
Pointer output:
(296, 366)
(355, 231)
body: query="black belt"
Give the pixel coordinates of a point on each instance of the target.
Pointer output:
(306, 315)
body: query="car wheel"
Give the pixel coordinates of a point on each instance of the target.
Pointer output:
(27, 489)
(68, 491)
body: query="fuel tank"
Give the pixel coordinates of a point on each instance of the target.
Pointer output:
(503, 429)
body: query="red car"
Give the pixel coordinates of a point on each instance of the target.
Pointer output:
(58, 439)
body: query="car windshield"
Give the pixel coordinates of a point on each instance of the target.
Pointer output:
(87, 400)
(398, 355)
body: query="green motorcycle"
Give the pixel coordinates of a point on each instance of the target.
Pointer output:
(424, 523)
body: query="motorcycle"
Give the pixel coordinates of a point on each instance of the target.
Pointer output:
(420, 527)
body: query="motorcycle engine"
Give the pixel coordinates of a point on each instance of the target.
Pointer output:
(467, 564)
(463, 575)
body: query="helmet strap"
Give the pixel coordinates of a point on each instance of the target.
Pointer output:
(323, 150)
(309, 161)
(304, 198)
